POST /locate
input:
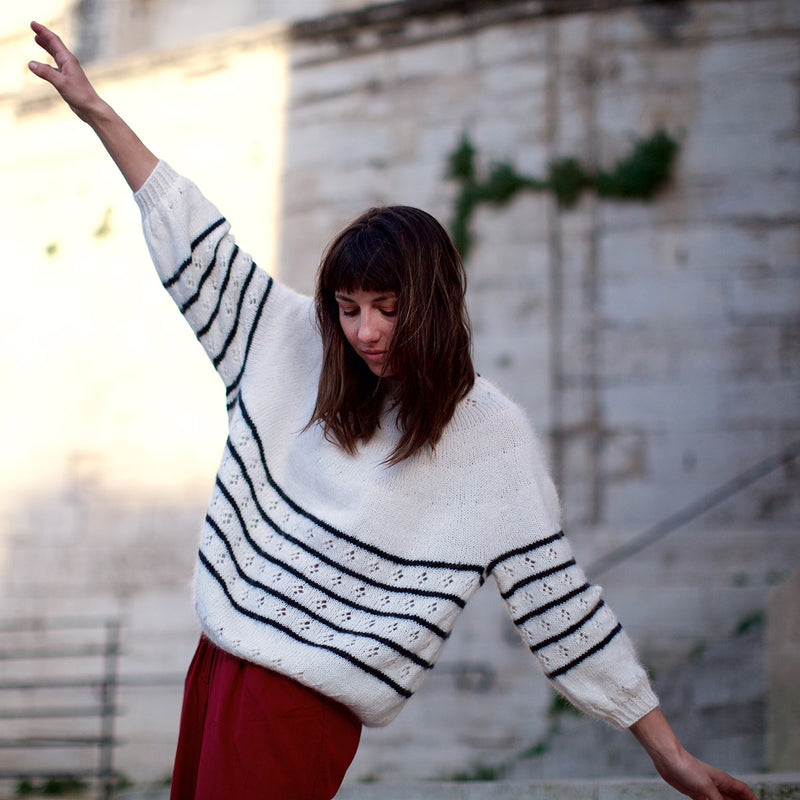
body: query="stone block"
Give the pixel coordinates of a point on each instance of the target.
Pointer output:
(660, 405)
(764, 352)
(509, 82)
(430, 61)
(620, 31)
(675, 251)
(752, 404)
(624, 455)
(743, 197)
(782, 247)
(759, 153)
(673, 349)
(647, 297)
(764, 297)
(737, 106)
(621, 215)
(776, 17)
(783, 667)
(504, 44)
(501, 131)
(511, 347)
(510, 246)
(748, 59)
(633, 790)
(361, 75)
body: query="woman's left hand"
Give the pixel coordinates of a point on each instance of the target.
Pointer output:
(703, 782)
(680, 769)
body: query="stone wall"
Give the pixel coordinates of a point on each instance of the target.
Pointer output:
(655, 344)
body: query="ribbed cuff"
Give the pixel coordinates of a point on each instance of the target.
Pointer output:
(636, 708)
(155, 187)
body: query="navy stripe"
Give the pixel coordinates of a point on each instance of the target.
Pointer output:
(232, 333)
(552, 604)
(590, 652)
(352, 540)
(572, 628)
(259, 310)
(289, 632)
(296, 573)
(220, 294)
(203, 278)
(452, 598)
(536, 577)
(207, 232)
(525, 549)
(308, 612)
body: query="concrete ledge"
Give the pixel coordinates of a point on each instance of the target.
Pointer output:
(772, 786)
(766, 787)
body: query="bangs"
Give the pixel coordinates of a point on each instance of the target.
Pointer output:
(363, 261)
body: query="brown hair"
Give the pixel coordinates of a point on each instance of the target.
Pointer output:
(406, 251)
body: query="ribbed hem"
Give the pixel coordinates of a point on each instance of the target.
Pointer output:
(636, 708)
(155, 187)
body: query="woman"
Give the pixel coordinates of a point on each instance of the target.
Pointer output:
(371, 482)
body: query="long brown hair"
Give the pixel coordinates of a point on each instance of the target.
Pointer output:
(406, 251)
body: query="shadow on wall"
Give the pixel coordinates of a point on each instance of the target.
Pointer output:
(88, 550)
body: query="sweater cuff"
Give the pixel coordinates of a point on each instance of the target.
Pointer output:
(155, 187)
(636, 708)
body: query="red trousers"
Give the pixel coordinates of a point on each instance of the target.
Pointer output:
(248, 733)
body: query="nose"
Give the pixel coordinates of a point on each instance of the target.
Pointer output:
(368, 330)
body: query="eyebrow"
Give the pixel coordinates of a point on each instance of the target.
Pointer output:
(377, 299)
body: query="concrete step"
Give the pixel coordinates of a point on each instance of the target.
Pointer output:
(766, 787)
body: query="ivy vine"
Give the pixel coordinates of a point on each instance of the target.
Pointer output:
(638, 176)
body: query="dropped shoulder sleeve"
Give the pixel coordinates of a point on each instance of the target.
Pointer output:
(218, 288)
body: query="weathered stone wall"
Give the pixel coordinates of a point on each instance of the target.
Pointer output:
(655, 345)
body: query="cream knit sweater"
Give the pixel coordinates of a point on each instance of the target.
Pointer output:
(342, 573)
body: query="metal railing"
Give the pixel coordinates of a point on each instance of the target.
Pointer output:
(58, 681)
(700, 506)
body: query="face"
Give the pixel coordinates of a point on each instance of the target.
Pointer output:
(368, 320)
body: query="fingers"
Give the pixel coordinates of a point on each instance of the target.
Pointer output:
(43, 70)
(738, 790)
(44, 37)
(51, 42)
(729, 787)
(67, 76)
(49, 74)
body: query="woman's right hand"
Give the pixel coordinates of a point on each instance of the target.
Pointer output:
(134, 160)
(68, 77)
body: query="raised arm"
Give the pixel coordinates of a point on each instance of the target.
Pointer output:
(134, 160)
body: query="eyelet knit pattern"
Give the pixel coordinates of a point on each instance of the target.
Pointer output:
(334, 569)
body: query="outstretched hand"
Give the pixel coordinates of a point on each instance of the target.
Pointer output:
(680, 769)
(68, 77)
(703, 782)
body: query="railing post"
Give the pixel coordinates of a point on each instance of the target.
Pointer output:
(108, 709)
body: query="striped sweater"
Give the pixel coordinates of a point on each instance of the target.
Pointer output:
(334, 569)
